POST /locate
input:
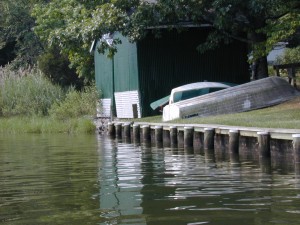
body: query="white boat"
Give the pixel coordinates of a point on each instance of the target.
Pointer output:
(189, 91)
(195, 89)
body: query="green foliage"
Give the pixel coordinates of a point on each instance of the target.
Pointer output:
(27, 97)
(26, 92)
(56, 67)
(76, 104)
(291, 55)
(286, 24)
(74, 24)
(42, 125)
(62, 23)
(16, 26)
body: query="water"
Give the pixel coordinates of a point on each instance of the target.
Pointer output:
(78, 180)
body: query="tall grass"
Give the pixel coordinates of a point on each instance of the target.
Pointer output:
(26, 92)
(30, 103)
(45, 125)
(76, 104)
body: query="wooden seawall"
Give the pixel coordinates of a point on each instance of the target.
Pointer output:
(261, 143)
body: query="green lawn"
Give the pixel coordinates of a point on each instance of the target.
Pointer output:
(285, 115)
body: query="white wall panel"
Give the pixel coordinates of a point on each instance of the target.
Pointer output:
(124, 102)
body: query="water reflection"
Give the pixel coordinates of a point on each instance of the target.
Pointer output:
(61, 179)
(120, 182)
(180, 186)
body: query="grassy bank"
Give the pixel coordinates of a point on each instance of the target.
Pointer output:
(44, 125)
(285, 115)
(30, 103)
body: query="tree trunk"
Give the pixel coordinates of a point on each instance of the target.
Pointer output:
(260, 68)
(260, 65)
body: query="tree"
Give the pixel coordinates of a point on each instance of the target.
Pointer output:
(56, 67)
(73, 24)
(16, 31)
(260, 23)
(62, 23)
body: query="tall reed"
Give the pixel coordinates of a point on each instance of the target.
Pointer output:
(30, 103)
(26, 92)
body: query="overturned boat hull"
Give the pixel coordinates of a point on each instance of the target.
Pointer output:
(253, 95)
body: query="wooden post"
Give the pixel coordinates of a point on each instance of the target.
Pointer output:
(263, 144)
(173, 136)
(234, 137)
(296, 147)
(158, 136)
(127, 131)
(111, 129)
(166, 138)
(118, 130)
(136, 133)
(180, 138)
(134, 110)
(209, 134)
(188, 137)
(146, 133)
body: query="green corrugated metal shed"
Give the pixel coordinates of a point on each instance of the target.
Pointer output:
(153, 66)
(122, 67)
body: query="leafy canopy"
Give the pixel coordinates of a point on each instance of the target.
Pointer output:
(16, 29)
(74, 24)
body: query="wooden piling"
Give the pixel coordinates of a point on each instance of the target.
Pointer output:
(233, 144)
(118, 127)
(209, 134)
(180, 138)
(136, 133)
(296, 147)
(127, 131)
(146, 133)
(158, 134)
(111, 129)
(173, 136)
(166, 138)
(188, 137)
(263, 139)
(198, 142)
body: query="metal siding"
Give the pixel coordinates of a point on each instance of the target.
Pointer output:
(124, 71)
(103, 74)
(125, 66)
(173, 60)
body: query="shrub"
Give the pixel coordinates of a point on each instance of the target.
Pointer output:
(26, 92)
(291, 55)
(76, 104)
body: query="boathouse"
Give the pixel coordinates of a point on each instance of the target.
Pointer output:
(142, 72)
